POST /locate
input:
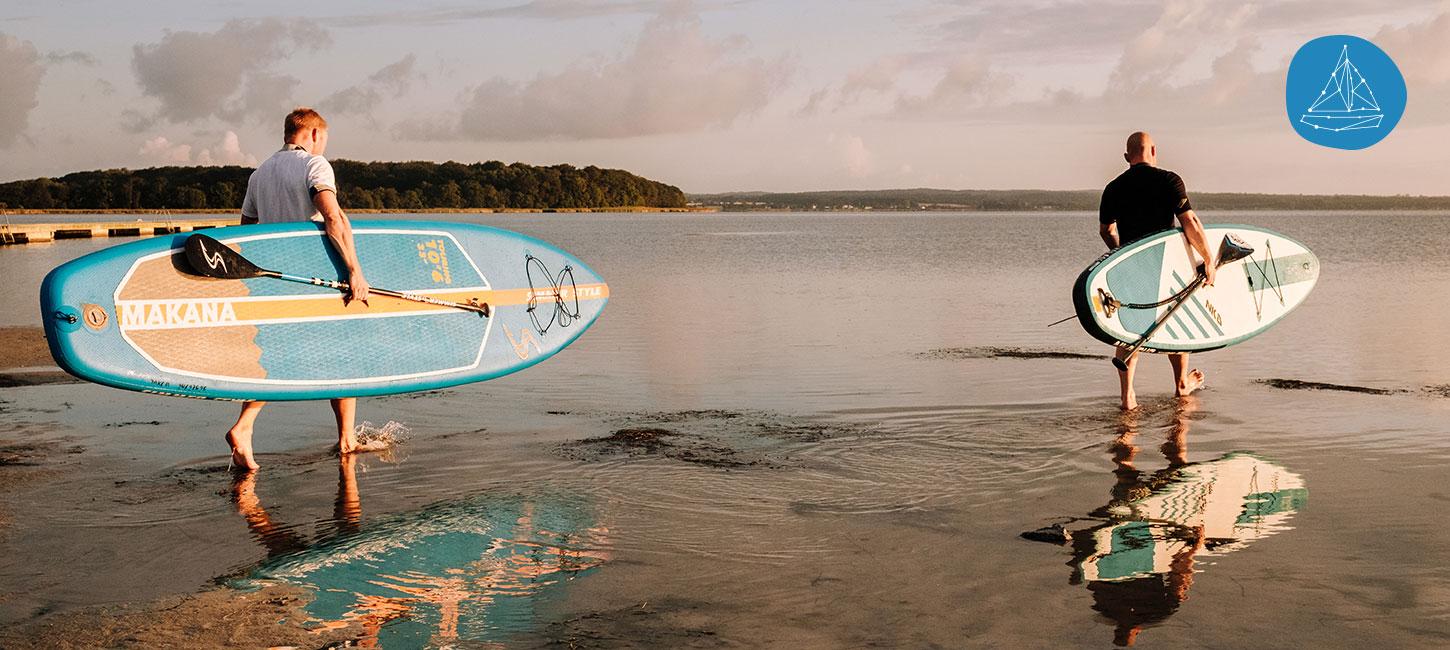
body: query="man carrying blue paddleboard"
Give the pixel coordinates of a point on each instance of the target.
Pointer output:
(1141, 201)
(297, 184)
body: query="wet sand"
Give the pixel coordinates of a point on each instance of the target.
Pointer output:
(27, 360)
(216, 618)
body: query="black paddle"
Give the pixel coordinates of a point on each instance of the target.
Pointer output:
(209, 257)
(1232, 249)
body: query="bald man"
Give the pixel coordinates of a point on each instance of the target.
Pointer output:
(1139, 202)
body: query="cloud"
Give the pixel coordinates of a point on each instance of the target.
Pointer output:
(874, 79)
(1421, 50)
(1018, 27)
(1051, 29)
(77, 57)
(969, 83)
(20, 73)
(675, 80)
(878, 77)
(1233, 75)
(534, 9)
(853, 154)
(226, 73)
(161, 150)
(813, 103)
(1151, 58)
(265, 97)
(1146, 82)
(393, 80)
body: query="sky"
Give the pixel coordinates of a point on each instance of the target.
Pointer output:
(722, 95)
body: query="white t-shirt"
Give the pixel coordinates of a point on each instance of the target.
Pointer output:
(282, 187)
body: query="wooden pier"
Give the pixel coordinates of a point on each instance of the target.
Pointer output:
(24, 233)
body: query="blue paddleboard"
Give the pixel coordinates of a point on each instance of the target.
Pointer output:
(136, 317)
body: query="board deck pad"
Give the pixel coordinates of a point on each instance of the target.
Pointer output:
(134, 317)
(1248, 296)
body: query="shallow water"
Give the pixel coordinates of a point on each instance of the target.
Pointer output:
(819, 430)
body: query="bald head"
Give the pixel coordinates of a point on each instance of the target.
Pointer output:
(1141, 149)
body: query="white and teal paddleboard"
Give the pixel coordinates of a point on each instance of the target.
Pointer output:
(1120, 296)
(139, 316)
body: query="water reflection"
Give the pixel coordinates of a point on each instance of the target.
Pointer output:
(1137, 555)
(473, 569)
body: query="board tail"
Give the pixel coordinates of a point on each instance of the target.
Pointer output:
(1082, 304)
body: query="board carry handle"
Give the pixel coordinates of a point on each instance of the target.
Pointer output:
(210, 258)
(1231, 249)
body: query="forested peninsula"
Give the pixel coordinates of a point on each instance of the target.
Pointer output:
(398, 186)
(1042, 201)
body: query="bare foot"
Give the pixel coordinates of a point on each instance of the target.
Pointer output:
(1130, 401)
(1192, 383)
(240, 440)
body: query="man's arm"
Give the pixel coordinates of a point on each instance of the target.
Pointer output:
(1192, 227)
(1193, 230)
(1108, 211)
(339, 232)
(1109, 233)
(249, 205)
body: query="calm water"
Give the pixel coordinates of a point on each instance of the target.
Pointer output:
(821, 446)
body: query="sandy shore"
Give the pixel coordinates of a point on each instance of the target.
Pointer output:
(220, 618)
(27, 361)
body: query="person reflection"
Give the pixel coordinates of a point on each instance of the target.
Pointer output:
(441, 569)
(1137, 554)
(281, 539)
(1139, 569)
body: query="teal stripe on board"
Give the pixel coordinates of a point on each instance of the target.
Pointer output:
(1137, 279)
(1189, 313)
(1130, 553)
(1290, 269)
(1171, 334)
(1184, 326)
(1206, 316)
(1194, 297)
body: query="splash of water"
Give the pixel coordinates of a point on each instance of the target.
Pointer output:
(384, 439)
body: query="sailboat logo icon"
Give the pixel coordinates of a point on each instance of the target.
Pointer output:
(1359, 103)
(1347, 101)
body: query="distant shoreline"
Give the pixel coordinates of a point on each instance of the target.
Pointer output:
(936, 200)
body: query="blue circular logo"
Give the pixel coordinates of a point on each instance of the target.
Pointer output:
(1344, 92)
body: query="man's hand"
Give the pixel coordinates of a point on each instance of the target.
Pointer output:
(1109, 233)
(357, 287)
(1209, 271)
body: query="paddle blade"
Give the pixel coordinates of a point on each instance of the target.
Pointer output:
(213, 259)
(1233, 249)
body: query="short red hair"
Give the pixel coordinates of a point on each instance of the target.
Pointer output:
(301, 119)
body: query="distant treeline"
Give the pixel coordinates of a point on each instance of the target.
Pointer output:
(1044, 200)
(375, 185)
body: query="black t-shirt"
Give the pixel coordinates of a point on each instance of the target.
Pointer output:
(1143, 200)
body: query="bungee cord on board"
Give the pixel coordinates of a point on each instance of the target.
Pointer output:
(563, 315)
